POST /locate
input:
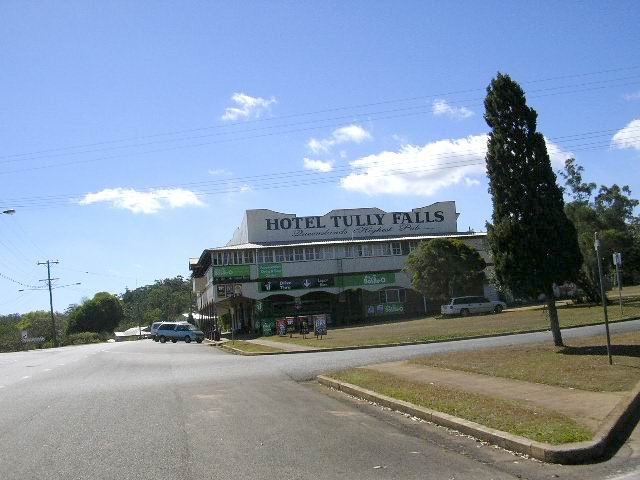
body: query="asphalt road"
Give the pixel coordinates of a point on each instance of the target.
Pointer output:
(143, 410)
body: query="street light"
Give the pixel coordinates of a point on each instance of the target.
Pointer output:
(10, 211)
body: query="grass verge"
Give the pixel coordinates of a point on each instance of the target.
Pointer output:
(251, 347)
(433, 328)
(581, 364)
(508, 416)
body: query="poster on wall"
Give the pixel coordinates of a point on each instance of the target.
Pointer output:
(229, 290)
(221, 291)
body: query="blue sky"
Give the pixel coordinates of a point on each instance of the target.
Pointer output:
(113, 112)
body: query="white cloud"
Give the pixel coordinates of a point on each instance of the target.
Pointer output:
(556, 154)
(632, 96)
(441, 107)
(151, 201)
(629, 136)
(323, 166)
(247, 107)
(424, 170)
(349, 134)
(415, 170)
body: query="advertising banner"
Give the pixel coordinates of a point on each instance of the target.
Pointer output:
(231, 272)
(362, 279)
(296, 283)
(270, 270)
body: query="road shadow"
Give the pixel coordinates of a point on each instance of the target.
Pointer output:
(601, 350)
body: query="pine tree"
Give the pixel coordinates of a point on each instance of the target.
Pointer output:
(533, 243)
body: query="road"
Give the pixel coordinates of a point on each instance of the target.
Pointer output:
(143, 410)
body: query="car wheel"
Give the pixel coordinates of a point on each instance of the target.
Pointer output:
(173, 340)
(199, 340)
(464, 312)
(187, 339)
(163, 340)
(498, 309)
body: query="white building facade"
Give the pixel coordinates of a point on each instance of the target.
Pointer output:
(347, 264)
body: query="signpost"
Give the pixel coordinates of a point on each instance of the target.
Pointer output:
(597, 245)
(617, 261)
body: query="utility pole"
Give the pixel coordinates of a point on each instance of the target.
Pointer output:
(48, 280)
(597, 245)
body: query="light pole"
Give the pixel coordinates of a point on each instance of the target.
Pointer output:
(9, 211)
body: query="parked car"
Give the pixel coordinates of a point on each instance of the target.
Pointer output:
(175, 331)
(154, 330)
(468, 305)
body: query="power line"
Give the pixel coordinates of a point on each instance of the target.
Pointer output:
(366, 116)
(296, 174)
(17, 282)
(318, 112)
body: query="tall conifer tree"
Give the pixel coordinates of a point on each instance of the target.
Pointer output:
(534, 245)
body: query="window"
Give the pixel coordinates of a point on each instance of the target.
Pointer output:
(248, 256)
(309, 253)
(329, 253)
(381, 249)
(364, 250)
(279, 254)
(289, 254)
(412, 245)
(393, 295)
(348, 251)
(396, 248)
(265, 256)
(298, 254)
(225, 258)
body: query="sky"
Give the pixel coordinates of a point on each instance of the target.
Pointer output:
(134, 135)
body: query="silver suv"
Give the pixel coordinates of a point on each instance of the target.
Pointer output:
(178, 331)
(467, 305)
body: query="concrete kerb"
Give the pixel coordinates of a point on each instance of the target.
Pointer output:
(417, 342)
(565, 454)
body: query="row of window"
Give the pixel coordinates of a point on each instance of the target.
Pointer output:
(393, 295)
(299, 254)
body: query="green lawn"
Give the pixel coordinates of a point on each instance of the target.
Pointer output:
(251, 347)
(434, 328)
(581, 364)
(509, 416)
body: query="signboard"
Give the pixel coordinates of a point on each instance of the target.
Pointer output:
(320, 324)
(296, 283)
(281, 326)
(221, 291)
(367, 279)
(269, 226)
(231, 272)
(617, 259)
(268, 327)
(394, 308)
(270, 270)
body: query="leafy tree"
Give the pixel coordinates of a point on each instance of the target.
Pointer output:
(533, 242)
(611, 213)
(102, 313)
(441, 268)
(166, 299)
